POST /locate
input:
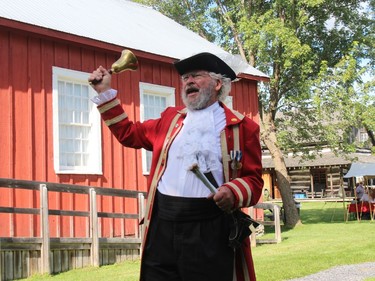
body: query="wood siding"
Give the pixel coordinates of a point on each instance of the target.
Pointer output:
(26, 144)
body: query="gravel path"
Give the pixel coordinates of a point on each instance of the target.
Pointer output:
(353, 272)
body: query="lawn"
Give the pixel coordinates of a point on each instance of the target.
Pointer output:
(323, 241)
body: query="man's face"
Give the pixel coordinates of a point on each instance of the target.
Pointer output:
(199, 89)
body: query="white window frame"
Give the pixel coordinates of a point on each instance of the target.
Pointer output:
(94, 164)
(156, 90)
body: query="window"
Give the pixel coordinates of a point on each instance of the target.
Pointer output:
(76, 124)
(154, 99)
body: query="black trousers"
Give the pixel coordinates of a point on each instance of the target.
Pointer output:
(185, 248)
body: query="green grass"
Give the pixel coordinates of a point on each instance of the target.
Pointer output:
(323, 241)
(126, 271)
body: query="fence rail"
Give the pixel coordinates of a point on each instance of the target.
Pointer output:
(21, 257)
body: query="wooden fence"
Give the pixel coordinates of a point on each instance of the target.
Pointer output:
(21, 257)
(274, 221)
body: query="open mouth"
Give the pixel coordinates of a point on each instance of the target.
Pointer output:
(191, 90)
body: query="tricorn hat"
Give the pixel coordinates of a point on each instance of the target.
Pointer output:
(204, 61)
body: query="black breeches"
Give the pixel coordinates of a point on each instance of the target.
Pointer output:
(188, 250)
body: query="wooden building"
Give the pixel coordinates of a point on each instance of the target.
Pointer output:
(52, 132)
(318, 178)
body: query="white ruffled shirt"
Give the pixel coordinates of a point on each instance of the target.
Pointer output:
(198, 142)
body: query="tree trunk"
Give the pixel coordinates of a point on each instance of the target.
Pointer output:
(268, 136)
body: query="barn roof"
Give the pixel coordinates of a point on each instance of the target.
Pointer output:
(119, 22)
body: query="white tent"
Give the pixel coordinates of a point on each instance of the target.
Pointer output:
(366, 171)
(361, 170)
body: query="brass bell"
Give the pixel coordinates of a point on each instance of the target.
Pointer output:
(127, 61)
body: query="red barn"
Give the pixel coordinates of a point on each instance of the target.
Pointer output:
(51, 131)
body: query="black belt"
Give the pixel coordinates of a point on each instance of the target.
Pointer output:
(175, 208)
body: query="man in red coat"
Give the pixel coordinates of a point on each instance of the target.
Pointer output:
(186, 226)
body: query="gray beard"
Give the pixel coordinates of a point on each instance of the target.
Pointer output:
(203, 100)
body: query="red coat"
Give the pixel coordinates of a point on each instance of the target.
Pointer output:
(157, 135)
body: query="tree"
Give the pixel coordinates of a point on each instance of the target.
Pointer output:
(365, 112)
(313, 51)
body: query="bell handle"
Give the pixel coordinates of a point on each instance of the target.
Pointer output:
(97, 81)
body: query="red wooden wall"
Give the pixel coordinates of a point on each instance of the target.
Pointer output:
(26, 145)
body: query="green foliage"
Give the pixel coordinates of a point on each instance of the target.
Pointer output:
(313, 51)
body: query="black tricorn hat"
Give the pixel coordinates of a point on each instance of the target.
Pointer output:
(204, 61)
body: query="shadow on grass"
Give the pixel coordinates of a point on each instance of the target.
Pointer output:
(316, 213)
(323, 215)
(311, 213)
(323, 212)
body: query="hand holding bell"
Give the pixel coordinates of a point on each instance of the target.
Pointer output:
(127, 61)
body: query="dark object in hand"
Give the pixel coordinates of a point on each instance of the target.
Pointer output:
(241, 228)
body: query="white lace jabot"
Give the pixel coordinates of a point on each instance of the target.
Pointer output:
(199, 143)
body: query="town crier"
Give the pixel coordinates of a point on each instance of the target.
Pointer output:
(187, 226)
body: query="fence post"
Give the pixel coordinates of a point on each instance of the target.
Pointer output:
(276, 215)
(94, 234)
(253, 237)
(44, 223)
(141, 214)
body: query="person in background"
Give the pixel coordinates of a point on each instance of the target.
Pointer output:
(359, 191)
(368, 196)
(187, 227)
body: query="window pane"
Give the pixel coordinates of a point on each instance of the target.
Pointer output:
(77, 90)
(85, 117)
(148, 159)
(77, 146)
(85, 92)
(77, 160)
(70, 159)
(74, 128)
(77, 117)
(157, 102)
(77, 104)
(68, 89)
(85, 158)
(163, 103)
(155, 105)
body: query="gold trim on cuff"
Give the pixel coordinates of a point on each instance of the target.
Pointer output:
(115, 120)
(108, 106)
